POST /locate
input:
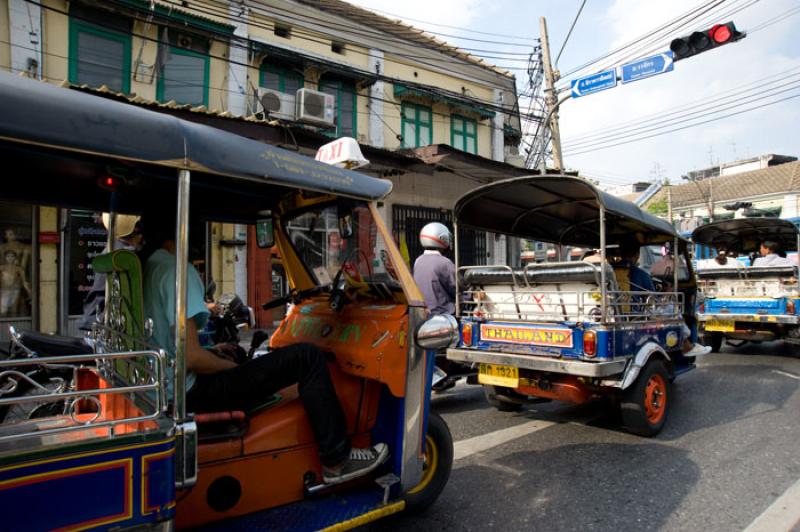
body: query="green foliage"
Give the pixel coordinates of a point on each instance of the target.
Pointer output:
(658, 207)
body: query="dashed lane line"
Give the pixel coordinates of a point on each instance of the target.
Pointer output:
(477, 444)
(782, 515)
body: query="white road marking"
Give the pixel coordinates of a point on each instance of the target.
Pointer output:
(782, 515)
(477, 444)
(787, 374)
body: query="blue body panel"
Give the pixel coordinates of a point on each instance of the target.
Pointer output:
(611, 342)
(740, 305)
(118, 486)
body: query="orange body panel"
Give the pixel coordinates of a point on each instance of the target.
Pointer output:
(368, 340)
(278, 449)
(566, 388)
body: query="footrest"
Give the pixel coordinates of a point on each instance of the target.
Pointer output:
(213, 426)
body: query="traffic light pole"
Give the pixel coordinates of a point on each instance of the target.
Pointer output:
(551, 96)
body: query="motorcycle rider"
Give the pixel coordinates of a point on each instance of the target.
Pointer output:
(435, 275)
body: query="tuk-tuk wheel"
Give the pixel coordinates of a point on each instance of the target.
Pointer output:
(436, 469)
(503, 399)
(715, 340)
(645, 404)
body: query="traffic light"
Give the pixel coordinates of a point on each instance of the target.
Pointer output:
(702, 41)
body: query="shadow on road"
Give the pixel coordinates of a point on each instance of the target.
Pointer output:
(574, 487)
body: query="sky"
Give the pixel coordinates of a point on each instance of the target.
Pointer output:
(763, 67)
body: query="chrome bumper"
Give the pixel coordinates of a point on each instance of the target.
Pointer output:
(787, 319)
(553, 365)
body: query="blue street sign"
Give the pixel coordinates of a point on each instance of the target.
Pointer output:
(594, 83)
(648, 66)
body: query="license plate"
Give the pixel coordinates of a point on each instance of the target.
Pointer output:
(720, 325)
(498, 375)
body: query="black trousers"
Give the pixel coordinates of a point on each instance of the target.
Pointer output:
(251, 384)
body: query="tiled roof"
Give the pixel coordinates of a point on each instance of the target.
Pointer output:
(779, 179)
(399, 29)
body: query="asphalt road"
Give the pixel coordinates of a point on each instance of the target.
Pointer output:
(730, 449)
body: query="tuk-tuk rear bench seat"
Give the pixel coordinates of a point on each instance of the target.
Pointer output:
(565, 291)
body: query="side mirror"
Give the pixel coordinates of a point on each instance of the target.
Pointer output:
(438, 332)
(346, 225)
(265, 237)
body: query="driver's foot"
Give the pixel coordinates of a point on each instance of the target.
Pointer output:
(360, 462)
(697, 350)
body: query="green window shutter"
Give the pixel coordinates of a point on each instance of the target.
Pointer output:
(184, 77)
(346, 99)
(464, 134)
(99, 56)
(417, 125)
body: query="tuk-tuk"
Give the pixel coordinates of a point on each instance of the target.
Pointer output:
(748, 303)
(124, 452)
(573, 331)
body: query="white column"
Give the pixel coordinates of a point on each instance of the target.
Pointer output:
(498, 148)
(237, 69)
(25, 30)
(376, 97)
(240, 267)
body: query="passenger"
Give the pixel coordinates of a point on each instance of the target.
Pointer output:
(434, 273)
(591, 256)
(214, 383)
(770, 255)
(724, 259)
(641, 281)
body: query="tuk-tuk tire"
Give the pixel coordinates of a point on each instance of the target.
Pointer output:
(636, 416)
(500, 398)
(439, 457)
(715, 340)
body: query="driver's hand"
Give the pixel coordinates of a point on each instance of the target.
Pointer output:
(227, 351)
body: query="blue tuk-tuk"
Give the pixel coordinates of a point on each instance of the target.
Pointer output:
(758, 302)
(580, 330)
(120, 449)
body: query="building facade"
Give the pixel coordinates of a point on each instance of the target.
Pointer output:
(432, 118)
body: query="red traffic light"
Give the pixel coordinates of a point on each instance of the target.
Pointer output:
(701, 41)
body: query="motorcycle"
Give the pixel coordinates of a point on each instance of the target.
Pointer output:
(25, 380)
(230, 316)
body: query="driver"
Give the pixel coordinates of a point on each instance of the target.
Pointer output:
(434, 273)
(214, 383)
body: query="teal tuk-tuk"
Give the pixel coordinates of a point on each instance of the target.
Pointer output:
(122, 451)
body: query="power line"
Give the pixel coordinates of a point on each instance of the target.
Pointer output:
(432, 90)
(690, 125)
(681, 110)
(448, 26)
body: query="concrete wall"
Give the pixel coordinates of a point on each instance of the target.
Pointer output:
(5, 49)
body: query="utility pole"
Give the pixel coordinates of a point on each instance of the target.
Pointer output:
(669, 203)
(551, 96)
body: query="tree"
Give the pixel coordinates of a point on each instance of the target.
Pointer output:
(658, 207)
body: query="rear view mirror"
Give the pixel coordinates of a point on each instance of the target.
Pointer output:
(345, 214)
(265, 237)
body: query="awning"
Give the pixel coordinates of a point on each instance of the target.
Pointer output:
(401, 91)
(42, 118)
(745, 235)
(560, 209)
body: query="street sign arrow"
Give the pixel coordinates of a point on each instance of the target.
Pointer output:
(647, 67)
(594, 83)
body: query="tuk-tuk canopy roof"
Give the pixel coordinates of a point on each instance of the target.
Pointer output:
(745, 235)
(48, 119)
(560, 209)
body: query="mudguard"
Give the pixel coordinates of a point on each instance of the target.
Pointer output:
(645, 353)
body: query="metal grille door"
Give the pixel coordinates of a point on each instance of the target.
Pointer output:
(408, 221)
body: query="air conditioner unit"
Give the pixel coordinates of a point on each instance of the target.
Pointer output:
(315, 107)
(276, 104)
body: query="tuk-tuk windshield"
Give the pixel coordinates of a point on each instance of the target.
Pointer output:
(329, 237)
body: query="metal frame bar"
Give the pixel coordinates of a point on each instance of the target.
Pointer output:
(181, 276)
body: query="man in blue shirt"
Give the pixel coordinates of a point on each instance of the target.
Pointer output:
(214, 383)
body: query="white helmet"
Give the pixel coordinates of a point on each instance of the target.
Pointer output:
(435, 236)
